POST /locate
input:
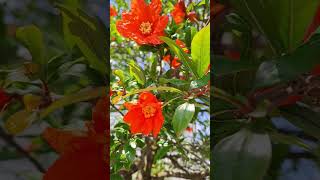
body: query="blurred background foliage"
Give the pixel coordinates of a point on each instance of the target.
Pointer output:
(266, 90)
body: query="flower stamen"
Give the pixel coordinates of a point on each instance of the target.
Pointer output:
(149, 111)
(145, 27)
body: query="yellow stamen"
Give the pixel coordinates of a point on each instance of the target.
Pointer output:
(145, 27)
(149, 111)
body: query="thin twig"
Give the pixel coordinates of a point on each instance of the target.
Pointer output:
(9, 139)
(114, 107)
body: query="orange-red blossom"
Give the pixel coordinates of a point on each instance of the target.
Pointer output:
(145, 116)
(143, 23)
(4, 99)
(179, 13)
(175, 63)
(83, 154)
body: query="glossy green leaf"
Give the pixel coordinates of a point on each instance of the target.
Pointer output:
(224, 66)
(120, 74)
(137, 73)
(88, 34)
(200, 50)
(74, 98)
(20, 121)
(185, 59)
(289, 67)
(182, 117)
(289, 140)
(200, 82)
(161, 152)
(191, 32)
(32, 38)
(285, 26)
(304, 118)
(242, 156)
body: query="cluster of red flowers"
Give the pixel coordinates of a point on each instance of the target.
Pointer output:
(175, 63)
(179, 13)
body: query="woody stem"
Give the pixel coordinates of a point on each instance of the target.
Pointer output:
(9, 139)
(149, 159)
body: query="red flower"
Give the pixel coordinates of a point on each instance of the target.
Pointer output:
(84, 154)
(166, 58)
(316, 71)
(143, 23)
(4, 99)
(216, 8)
(232, 54)
(193, 16)
(313, 26)
(145, 116)
(290, 100)
(175, 63)
(189, 129)
(182, 45)
(113, 11)
(179, 12)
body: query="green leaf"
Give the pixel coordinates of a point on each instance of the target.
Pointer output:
(74, 98)
(185, 59)
(161, 152)
(32, 38)
(137, 72)
(285, 26)
(191, 32)
(223, 66)
(19, 121)
(242, 156)
(304, 118)
(289, 67)
(200, 50)
(88, 34)
(200, 82)
(182, 117)
(289, 140)
(153, 88)
(120, 74)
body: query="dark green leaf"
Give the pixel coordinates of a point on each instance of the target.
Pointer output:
(242, 156)
(285, 26)
(290, 66)
(32, 38)
(185, 59)
(182, 117)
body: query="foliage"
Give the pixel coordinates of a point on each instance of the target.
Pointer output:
(265, 77)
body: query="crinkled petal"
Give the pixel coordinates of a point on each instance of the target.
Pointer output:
(147, 97)
(161, 25)
(158, 123)
(100, 115)
(81, 165)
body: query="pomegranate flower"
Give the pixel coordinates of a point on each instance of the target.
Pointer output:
(113, 11)
(143, 23)
(84, 154)
(179, 12)
(4, 99)
(145, 116)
